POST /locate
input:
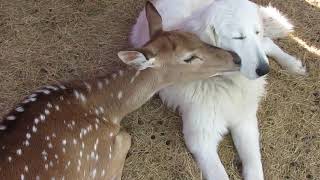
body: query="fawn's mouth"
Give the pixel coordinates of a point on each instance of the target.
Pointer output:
(227, 72)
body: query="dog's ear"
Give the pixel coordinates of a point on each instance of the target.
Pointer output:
(154, 19)
(275, 24)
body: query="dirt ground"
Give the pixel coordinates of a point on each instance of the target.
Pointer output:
(43, 41)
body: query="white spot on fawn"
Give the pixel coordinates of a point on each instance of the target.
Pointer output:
(19, 152)
(28, 135)
(33, 99)
(120, 95)
(2, 127)
(49, 105)
(81, 154)
(96, 144)
(51, 164)
(34, 129)
(103, 173)
(11, 118)
(57, 107)
(26, 143)
(43, 91)
(88, 86)
(110, 151)
(32, 96)
(101, 109)
(52, 88)
(106, 81)
(46, 112)
(132, 80)
(97, 111)
(100, 85)
(9, 158)
(114, 75)
(42, 117)
(22, 177)
(36, 120)
(64, 142)
(19, 109)
(44, 153)
(120, 72)
(26, 101)
(94, 172)
(26, 168)
(62, 86)
(137, 73)
(76, 94)
(83, 98)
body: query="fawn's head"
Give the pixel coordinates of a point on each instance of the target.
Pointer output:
(177, 55)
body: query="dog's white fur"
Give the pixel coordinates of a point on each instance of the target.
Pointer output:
(211, 108)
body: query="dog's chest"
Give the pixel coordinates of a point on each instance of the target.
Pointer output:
(231, 94)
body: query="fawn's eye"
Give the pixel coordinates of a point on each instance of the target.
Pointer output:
(257, 32)
(189, 60)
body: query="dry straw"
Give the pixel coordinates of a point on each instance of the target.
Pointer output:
(42, 41)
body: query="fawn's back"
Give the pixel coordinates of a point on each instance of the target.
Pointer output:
(55, 133)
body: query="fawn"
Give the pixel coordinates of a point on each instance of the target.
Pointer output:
(71, 130)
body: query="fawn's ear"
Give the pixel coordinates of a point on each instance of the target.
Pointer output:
(136, 59)
(275, 24)
(154, 19)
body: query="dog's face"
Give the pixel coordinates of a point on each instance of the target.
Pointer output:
(239, 27)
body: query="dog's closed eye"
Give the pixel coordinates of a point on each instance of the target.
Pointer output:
(240, 38)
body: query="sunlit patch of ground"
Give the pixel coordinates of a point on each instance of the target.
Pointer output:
(305, 45)
(314, 2)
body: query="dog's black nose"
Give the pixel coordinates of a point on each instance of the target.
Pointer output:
(236, 58)
(262, 69)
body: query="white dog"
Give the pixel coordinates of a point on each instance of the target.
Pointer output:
(211, 108)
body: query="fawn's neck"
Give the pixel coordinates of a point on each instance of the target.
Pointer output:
(114, 96)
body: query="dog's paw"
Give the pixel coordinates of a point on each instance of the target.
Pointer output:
(296, 67)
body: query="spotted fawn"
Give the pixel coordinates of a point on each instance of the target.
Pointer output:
(72, 131)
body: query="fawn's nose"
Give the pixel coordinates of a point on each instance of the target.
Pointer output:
(236, 58)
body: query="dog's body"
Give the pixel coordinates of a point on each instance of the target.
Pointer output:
(211, 108)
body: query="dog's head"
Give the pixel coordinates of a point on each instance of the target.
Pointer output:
(240, 26)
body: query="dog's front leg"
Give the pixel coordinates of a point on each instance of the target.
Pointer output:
(246, 139)
(202, 135)
(286, 61)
